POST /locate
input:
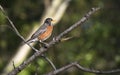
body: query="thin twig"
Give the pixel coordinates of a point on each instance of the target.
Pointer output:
(43, 50)
(13, 65)
(80, 22)
(15, 29)
(95, 71)
(49, 61)
(75, 64)
(66, 39)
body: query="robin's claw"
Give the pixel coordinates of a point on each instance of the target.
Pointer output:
(54, 38)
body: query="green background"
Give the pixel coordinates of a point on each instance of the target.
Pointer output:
(95, 44)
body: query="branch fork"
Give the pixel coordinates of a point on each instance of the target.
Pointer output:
(42, 50)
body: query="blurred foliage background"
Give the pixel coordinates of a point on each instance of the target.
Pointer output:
(95, 44)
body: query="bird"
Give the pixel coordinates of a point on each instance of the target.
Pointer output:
(43, 32)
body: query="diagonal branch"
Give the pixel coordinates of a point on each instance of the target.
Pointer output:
(49, 61)
(75, 64)
(14, 28)
(43, 50)
(80, 22)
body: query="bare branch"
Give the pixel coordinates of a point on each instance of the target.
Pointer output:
(95, 71)
(65, 39)
(61, 69)
(42, 49)
(49, 61)
(14, 28)
(80, 22)
(75, 64)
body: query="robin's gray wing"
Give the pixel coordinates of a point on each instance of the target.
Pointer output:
(41, 30)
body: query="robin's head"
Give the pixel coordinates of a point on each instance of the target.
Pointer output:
(48, 21)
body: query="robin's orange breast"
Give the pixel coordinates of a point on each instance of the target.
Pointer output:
(46, 34)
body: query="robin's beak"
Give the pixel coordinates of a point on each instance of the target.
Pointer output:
(53, 20)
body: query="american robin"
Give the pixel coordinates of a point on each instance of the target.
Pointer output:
(43, 33)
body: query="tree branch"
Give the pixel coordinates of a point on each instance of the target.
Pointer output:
(56, 10)
(49, 61)
(14, 28)
(75, 64)
(42, 49)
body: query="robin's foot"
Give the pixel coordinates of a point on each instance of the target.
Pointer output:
(55, 39)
